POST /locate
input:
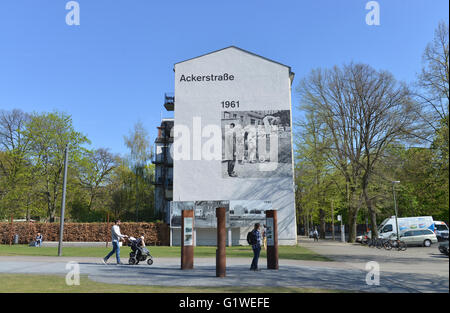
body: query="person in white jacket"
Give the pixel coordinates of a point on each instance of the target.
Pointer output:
(251, 141)
(116, 236)
(269, 121)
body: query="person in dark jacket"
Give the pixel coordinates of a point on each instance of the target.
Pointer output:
(38, 241)
(256, 247)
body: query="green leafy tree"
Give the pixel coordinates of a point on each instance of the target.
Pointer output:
(138, 142)
(49, 134)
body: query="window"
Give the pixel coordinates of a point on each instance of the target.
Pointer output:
(407, 234)
(387, 228)
(441, 227)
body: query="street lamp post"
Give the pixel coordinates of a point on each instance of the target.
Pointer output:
(395, 207)
(63, 202)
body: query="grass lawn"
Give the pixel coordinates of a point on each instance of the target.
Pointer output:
(53, 283)
(284, 252)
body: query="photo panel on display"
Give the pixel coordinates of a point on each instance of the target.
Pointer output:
(256, 144)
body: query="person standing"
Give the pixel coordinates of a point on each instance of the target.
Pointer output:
(269, 121)
(251, 140)
(116, 236)
(256, 246)
(240, 144)
(230, 149)
(316, 234)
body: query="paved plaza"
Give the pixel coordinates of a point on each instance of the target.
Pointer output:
(338, 275)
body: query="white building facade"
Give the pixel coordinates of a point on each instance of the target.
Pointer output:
(233, 141)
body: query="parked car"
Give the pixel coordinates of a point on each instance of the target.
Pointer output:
(441, 230)
(389, 226)
(363, 238)
(421, 237)
(443, 247)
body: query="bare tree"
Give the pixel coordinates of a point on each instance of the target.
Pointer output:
(433, 81)
(12, 140)
(433, 93)
(13, 163)
(386, 115)
(362, 111)
(95, 171)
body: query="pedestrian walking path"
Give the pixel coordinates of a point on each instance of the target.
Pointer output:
(167, 272)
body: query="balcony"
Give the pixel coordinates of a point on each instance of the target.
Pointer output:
(169, 184)
(168, 195)
(164, 131)
(169, 101)
(162, 156)
(158, 181)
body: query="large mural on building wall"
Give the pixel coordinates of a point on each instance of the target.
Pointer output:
(233, 137)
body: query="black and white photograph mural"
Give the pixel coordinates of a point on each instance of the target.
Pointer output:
(233, 137)
(248, 212)
(175, 211)
(204, 212)
(256, 144)
(239, 213)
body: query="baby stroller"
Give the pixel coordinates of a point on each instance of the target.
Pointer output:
(138, 253)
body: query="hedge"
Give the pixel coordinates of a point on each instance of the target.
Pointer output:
(155, 233)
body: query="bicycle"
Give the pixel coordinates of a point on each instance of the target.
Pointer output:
(375, 242)
(394, 243)
(380, 243)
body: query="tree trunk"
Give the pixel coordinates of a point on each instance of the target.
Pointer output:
(352, 218)
(332, 221)
(322, 223)
(306, 225)
(373, 223)
(372, 214)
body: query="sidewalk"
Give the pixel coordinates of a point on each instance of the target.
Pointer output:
(167, 272)
(415, 260)
(76, 244)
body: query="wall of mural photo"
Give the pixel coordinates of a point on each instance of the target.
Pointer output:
(256, 144)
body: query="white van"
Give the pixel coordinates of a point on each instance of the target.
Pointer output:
(441, 230)
(389, 227)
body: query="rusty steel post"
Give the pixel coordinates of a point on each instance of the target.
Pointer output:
(272, 239)
(221, 243)
(187, 242)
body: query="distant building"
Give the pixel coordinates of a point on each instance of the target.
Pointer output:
(164, 164)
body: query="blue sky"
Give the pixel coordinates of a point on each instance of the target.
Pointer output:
(113, 69)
